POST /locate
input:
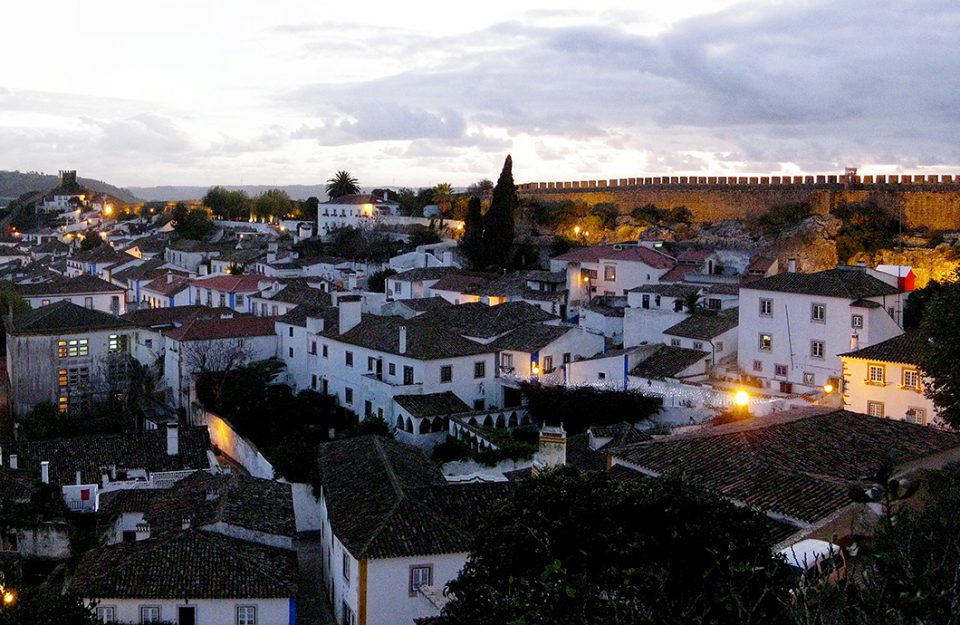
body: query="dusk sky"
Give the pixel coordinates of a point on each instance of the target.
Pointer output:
(412, 94)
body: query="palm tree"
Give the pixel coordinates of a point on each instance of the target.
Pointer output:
(443, 196)
(342, 184)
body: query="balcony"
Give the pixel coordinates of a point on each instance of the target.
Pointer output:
(380, 386)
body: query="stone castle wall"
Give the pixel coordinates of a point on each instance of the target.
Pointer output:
(928, 201)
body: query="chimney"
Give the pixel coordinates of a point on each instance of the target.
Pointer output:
(142, 531)
(173, 439)
(403, 340)
(349, 307)
(13, 461)
(212, 494)
(314, 325)
(854, 341)
(553, 446)
(78, 478)
(185, 523)
(169, 277)
(791, 265)
(45, 471)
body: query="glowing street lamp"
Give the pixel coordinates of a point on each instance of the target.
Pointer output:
(535, 369)
(828, 388)
(107, 210)
(576, 230)
(741, 398)
(9, 597)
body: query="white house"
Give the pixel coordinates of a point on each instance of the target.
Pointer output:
(540, 352)
(228, 291)
(653, 308)
(415, 283)
(794, 326)
(352, 210)
(711, 331)
(166, 290)
(85, 290)
(884, 380)
(392, 528)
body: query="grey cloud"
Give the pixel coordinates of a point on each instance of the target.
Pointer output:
(146, 133)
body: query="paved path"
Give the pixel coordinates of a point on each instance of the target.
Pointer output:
(312, 608)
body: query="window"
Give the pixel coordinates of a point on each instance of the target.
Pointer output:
(698, 345)
(601, 376)
(817, 349)
(348, 617)
(348, 358)
(917, 415)
(547, 364)
(88, 302)
(420, 575)
(911, 379)
(290, 331)
(346, 565)
(675, 342)
(809, 378)
(758, 365)
(73, 348)
(609, 273)
(856, 321)
(713, 303)
(479, 404)
(117, 343)
(875, 408)
(446, 373)
(780, 370)
(223, 300)
(678, 305)
(246, 615)
(719, 347)
(818, 313)
(348, 395)
(290, 352)
(324, 349)
(407, 374)
(392, 368)
(479, 370)
(239, 299)
(313, 347)
(149, 613)
(766, 307)
(766, 342)
(263, 310)
(566, 358)
(645, 301)
(107, 614)
(875, 374)
(313, 381)
(506, 361)
(371, 363)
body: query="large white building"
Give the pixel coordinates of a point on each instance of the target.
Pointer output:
(352, 210)
(884, 380)
(794, 326)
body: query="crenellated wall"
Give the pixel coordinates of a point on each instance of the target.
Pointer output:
(932, 201)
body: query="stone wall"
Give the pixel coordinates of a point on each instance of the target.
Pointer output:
(928, 201)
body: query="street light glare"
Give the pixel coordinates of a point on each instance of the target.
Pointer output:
(741, 398)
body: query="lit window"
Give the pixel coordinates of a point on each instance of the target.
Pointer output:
(817, 349)
(116, 343)
(818, 313)
(911, 378)
(875, 374)
(609, 273)
(766, 342)
(766, 307)
(875, 408)
(420, 575)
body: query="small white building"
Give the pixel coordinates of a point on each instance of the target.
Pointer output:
(653, 308)
(84, 290)
(353, 211)
(885, 380)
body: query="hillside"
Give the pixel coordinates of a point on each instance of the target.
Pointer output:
(175, 193)
(13, 184)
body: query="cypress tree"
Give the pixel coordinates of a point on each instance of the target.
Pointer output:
(498, 226)
(472, 241)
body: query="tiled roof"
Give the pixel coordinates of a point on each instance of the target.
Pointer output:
(423, 273)
(723, 289)
(232, 284)
(190, 564)
(78, 285)
(241, 500)
(300, 295)
(678, 273)
(432, 404)
(101, 254)
(144, 449)
(530, 338)
(850, 283)
(667, 290)
(60, 317)
(155, 317)
(168, 284)
(128, 500)
(149, 244)
(424, 304)
(796, 464)
(693, 255)
(239, 326)
(865, 303)
(593, 254)
(426, 340)
(482, 321)
(461, 282)
(706, 324)
(385, 499)
(138, 271)
(904, 349)
(667, 362)
(298, 316)
(18, 485)
(761, 264)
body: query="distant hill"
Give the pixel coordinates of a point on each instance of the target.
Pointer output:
(13, 184)
(175, 193)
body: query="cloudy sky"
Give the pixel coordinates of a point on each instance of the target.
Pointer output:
(416, 93)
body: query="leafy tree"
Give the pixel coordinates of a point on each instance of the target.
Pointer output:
(10, 300)
(273, 204)
(480, 187)
(443, 196)
(941, 326)
(560, 245)
(425, 198)
(648, 214)
(472, 241)
(90, 241)
(916, 304)
(577, 408)
(607, 213)
(498, 223)
(311, 204)
(377, 282)
(342, 184)
(237, 205)
(691, 302)
(407, 200)
(680, 215)
(217, 200)
(423, 235)
(37, 605)
(567, 548)
(867, 227)
(374, 424)
(781, 216)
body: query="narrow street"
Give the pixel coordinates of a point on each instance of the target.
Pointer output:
(312, 608)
